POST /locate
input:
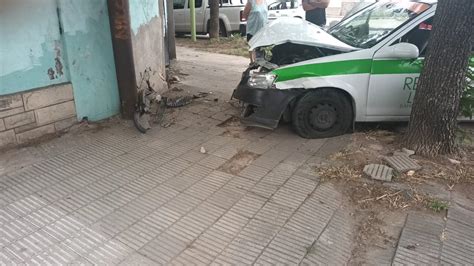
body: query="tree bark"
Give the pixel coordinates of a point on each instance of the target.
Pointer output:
(171, 30)
(214, 19)
(433, 120)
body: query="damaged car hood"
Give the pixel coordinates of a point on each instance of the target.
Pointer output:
(297, 31)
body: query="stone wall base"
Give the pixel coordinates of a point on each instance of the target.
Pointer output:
(27, 116)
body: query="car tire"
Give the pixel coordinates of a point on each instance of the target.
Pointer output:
(322, 113)
(222, 29)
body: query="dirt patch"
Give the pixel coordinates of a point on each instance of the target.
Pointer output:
(230, 122)
(233, 127)
(238, 162)
(377, 204)
(234, 45)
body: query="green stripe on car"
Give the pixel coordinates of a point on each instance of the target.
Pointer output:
(361, 66)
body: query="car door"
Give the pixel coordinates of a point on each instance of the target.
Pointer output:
(393, 82)
(181, 16)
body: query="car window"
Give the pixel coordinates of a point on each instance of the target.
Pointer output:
(419, 36)
(373, 24)
(178, 4)
(197, 3)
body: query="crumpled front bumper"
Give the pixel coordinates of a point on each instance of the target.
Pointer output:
(263, 107)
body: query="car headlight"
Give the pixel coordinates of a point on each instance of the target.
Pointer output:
(261, 81)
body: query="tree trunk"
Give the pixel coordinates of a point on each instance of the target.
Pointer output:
(214, 19)
(435, 109)
(171, 30)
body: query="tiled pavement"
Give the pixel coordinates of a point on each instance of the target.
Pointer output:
(432, 240)
(115, 196)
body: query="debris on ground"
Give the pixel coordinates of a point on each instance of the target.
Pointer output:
(203, 150)
(379, 172)
(377, 203)
(402, 164)
(174, 79)
(179, 101)
(454, 161)
(408, 152)
(177, 89)
(399, 153)
(200, 95)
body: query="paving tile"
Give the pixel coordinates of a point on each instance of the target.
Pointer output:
(164, 248)
(136, 259)
(458, 245)
(225, 152)
(379, 172)
(274, 213)
(212, 161)
(334, 244)
(402, 163)
(254, 172)
(119, 197)
(193, 256)
(249, 205)
(420, 240)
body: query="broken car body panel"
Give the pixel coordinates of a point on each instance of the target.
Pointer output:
(297, 31)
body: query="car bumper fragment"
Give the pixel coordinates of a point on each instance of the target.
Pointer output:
(263, 107)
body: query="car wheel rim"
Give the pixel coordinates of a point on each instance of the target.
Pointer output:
(323, 117)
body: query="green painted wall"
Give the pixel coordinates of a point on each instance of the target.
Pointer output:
(30, 46)
(142, 12)
(88, 45)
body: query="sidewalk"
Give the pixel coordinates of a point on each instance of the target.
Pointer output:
(111, 195)
(122, 197)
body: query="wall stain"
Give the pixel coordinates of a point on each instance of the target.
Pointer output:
(51, 73)
(121, 21)
(57, 60)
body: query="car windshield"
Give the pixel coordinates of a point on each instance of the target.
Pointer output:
(370, 26)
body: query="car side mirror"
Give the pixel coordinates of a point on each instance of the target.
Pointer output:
(401, 50)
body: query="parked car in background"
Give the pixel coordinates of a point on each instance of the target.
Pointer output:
(230, 16)
(289, 8)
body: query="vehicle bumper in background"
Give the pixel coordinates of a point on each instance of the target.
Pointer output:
(262, 107)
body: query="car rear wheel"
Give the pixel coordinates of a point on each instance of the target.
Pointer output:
(322, 113)
(222, 29)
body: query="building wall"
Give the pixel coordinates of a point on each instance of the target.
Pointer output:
(27, 116)
(31, 48)
(88, 44)
(50, 42)
(147, 30)
(51, 49)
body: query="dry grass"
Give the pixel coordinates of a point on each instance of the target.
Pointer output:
(235, 45)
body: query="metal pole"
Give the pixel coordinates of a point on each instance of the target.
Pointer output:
(119, 16)
(192, 8)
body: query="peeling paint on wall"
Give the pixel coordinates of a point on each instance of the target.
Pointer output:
(142, 12)
(148, 40)
(88, 46)
(30, 40)
(40, 38)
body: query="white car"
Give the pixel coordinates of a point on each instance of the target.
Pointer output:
(291, 8)
(365, 68)
(230, 16)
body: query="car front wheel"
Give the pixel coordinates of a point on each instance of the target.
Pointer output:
(322, 113)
